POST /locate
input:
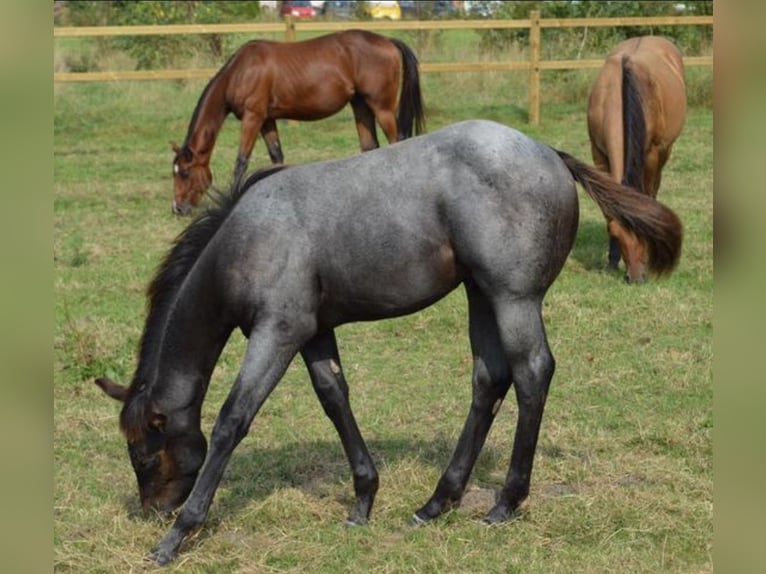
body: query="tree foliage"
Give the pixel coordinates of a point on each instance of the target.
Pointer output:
(569, 43)
(158, 51)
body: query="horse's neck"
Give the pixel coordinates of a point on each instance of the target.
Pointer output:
(210, 116)
(193, 339)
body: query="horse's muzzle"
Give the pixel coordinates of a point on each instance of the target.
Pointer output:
(182, 210)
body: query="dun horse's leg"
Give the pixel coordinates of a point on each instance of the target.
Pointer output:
(268, 355)
(491, 380)
(532, 366)
(323, 362)
(654, 162)
(365, 124)
(614, 253)
(271, 137)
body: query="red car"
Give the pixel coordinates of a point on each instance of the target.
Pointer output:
(299, 9)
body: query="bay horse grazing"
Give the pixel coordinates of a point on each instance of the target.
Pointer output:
(636, 111)
(294, 253)
(310, 80)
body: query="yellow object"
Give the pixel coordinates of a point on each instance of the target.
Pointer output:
(384, 9)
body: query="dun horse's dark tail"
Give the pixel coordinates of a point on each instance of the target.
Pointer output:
(633, 128)
(652, 222)
(411, 112)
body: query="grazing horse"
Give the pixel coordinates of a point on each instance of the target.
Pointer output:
(296, 252)
(264, 81)
(636, 111)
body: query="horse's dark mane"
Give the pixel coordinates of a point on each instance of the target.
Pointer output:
(164, 287)
(633, 128)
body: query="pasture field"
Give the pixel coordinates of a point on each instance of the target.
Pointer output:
(623, 479)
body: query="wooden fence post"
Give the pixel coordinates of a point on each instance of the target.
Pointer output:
(290, 37)
(534, 67)
(289, 29)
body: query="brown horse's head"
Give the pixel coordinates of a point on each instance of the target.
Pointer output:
(166, 458)
(634, 252)
(191, 178)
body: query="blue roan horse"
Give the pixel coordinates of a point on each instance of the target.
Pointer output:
(296, 252)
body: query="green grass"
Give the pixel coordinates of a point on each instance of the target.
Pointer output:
(623, 477)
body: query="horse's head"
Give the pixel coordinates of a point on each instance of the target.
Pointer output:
(165, 457)
(191, 178)
(634, 253)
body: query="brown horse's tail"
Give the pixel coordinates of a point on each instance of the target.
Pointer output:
(411, 112)
(654, 224)
(633, 128)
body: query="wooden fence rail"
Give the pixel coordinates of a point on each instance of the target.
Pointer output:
(534, 65)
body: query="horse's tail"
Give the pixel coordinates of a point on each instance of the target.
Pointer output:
(654, 224)
(633, 128)
(411, 111)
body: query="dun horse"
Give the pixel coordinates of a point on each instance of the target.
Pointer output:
(311, 80)
(636, 111)
(296, 252)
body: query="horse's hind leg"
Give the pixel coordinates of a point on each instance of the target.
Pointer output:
(532, 365)
(365, 124)
(491, 380)
(655, 160)
(321, 357)
(271, 138)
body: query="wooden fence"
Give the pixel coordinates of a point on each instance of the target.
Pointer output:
(534, 65)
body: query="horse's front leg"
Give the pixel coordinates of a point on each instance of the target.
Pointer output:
(252, 123)
(266, 360)
(323, 362)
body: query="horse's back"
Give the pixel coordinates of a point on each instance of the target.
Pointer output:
(660, 66)
(314, 78)
(658, 70)
(401, 226)
(652, 50)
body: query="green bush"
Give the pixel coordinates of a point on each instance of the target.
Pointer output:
(574, 43)
(163, 51)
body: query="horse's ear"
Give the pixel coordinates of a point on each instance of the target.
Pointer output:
(175, 147)
(112, 389)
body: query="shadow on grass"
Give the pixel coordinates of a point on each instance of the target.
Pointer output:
(591, 245)
(316, 466)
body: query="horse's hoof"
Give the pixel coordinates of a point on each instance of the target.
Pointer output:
(497, 516)
(355, 522)
(416, 521)
(161, 557)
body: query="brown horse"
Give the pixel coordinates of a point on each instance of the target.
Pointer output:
(311, 80)
(636, 111)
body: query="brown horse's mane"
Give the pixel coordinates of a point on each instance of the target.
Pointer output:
(162, 293)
